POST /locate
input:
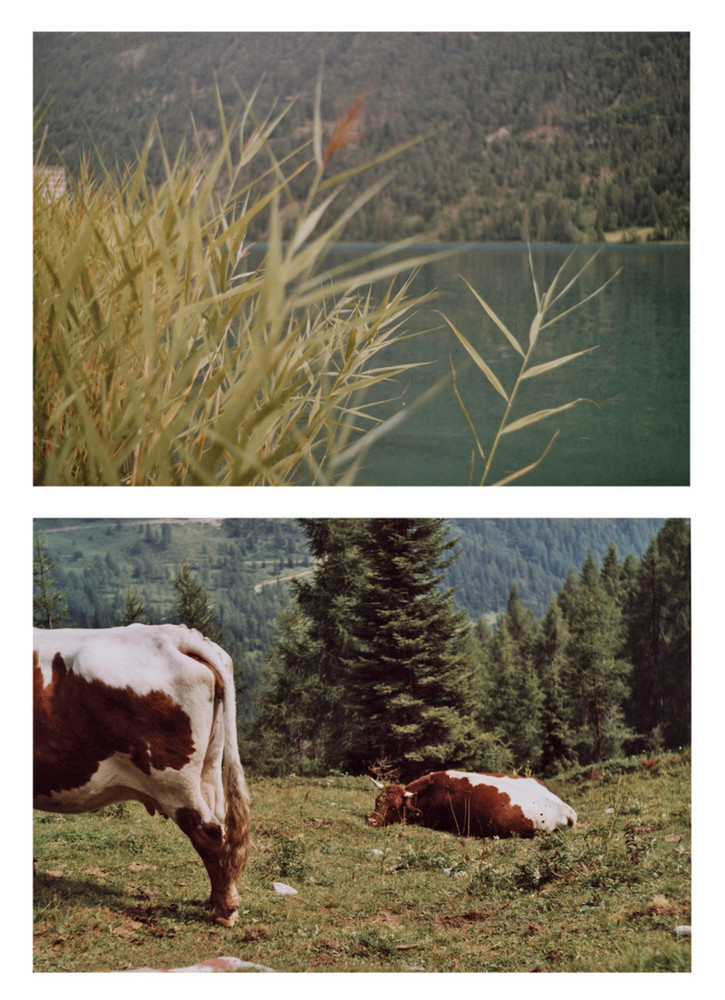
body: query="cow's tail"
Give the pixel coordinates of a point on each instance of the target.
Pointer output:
(235, 849)
(237, 821)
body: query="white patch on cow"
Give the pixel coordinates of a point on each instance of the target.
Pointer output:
(545, 810)
(144, 657)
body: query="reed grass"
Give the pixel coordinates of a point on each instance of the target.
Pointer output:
(163, 357)
(543, 320)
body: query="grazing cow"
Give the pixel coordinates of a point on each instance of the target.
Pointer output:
(144, 712)
(473, 805)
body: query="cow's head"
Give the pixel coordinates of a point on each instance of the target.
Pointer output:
(393, 805)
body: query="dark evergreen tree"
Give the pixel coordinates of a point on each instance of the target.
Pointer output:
(304, 711)
(659, 639)
(50, 605)
(193, 605)
(611, 572)
(410, 685)
(599, 675)
(134, 608)
(557, 745)
(515, 697)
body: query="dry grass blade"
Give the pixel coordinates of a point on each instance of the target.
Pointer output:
(468, 419)
(160, 361)
(502, 326)
(508, 424)
(529, 468)
(583, 301)
(533, 418)
(478, 360)
(548, 366)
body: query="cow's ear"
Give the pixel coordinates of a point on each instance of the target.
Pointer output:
(378, 784)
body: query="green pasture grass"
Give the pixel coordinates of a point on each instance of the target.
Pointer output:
(121, 889)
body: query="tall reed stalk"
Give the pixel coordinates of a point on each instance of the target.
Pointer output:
(163, 357)
(527, 370)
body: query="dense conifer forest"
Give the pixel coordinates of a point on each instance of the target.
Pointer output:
(562, 137)
(234, 578)
(373, 668)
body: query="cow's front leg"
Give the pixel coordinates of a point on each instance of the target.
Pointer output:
(208, 841)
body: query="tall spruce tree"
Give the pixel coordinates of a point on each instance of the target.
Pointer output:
(193, 605)
(553, 669)
(515, 696)
(303, 709)
(659, 639)
(409, 680)
(50, 604)
(599, 676)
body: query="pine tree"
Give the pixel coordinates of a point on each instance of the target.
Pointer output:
(304, 711)
(50, 605)
(659, 639)
(193, 605)
(134, 609)
(290, 731)
(515, 697)
(553, 667)
(410, 685)
(599, 675)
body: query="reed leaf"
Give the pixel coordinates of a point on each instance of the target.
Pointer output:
(508, 423)
(159, 361)
(533, 418)
(548, 366)
(502, 326)
(478, 360)
(528, 468)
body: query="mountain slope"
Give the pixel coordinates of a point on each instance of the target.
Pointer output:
(539, 136)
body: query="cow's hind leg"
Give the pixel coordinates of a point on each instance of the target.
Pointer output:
(208, 839)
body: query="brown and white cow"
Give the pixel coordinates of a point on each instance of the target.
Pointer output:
(473, 805)
(144, 712)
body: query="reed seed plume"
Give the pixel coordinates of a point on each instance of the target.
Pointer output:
(347, 131)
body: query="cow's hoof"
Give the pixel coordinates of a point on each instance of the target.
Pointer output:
(227, 921)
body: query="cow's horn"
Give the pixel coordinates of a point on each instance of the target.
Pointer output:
(378, 784)
(409, 795)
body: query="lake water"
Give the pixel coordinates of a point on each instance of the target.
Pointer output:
(635, 431)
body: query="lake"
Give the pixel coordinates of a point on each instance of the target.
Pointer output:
(635, 431)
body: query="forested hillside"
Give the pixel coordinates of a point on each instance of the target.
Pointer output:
(101, 563)
(374, 669)
(533, 136)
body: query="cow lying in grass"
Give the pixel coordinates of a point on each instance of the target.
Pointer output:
(473, 805)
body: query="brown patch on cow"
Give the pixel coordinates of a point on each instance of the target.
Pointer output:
(77, 724)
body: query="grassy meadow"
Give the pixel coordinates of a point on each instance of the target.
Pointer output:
(123, 890)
